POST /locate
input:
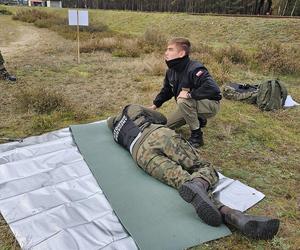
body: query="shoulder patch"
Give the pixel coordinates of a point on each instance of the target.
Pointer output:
(199, 73)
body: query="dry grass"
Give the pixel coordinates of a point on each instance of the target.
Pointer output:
(234, 53)
(279, 58)
(41, 100)
(260, 149)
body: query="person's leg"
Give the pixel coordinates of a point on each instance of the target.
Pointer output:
(207, 108)
(3, 72)
(1, 59)
(180, 151)
(175, 119)
(2, 68)
(154, 157)
(185, 113)
(255, 227)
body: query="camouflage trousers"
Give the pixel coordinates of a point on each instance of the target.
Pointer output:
(247, 96)
(1, 59)
(168, 157)
(2, 68)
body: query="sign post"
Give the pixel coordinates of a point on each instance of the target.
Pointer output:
(78, 17)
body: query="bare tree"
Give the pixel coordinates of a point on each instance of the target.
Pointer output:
(294, 7)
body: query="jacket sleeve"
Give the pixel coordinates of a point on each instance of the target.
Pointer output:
(205, 86)
(165, 94)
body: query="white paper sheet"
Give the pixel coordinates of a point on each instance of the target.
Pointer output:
(82, 20)
(289, 102)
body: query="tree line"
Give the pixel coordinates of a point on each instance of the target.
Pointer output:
(248, 7)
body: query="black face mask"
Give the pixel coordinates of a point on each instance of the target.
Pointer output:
(178, 64)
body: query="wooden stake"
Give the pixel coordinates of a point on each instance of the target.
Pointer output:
(78, 47)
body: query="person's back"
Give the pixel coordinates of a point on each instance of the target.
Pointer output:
(132, 135)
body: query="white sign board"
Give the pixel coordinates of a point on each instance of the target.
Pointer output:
(83, 17)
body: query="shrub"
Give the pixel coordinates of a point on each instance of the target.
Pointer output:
(153, 39)
(219, 71)
(127, 48)
(234, 53)
(126, 52)
(95, 27)
(54, 22)
(105, 44)
(278, 58)
(42, 101)
(154, 66)
(42, 123)
(51, 22)
(154, 36)
(5, 12)
(201, 48)
(32, 15)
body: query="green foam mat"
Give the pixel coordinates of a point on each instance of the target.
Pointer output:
(153, 213)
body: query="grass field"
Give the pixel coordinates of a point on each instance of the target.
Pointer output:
(124, 64)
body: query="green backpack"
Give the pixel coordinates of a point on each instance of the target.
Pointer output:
(271, 95)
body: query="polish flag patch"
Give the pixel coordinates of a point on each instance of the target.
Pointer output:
(199, 73)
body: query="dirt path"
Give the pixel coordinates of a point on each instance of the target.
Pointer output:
(29, 36)
(25, 39)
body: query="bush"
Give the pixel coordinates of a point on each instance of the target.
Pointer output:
(5, 12)
(117, 46)
(219, 71)
(32, 15)
(154, 66)
(105, 44)
(278, 58)
(43, 123)
(153, 39)
(126, 52)
(42, 101)
(234, 53)
(95, 27)
(127, 48)
(57, 23)
(154, 36)
(201, 48)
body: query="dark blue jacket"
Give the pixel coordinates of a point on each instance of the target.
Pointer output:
(195, 77)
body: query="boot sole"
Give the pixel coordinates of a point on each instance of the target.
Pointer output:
(204, 207)
(261, 230)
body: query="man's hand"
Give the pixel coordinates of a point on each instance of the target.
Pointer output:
(153, 107)
(184, 94)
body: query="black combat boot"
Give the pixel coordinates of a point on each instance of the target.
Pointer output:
(202, 122)
(6, 76)
(255, 227)
(9, 77)
(196, 139)
(195, 192)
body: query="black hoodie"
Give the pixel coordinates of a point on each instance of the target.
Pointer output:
(185, 73)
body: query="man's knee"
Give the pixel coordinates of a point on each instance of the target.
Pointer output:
(207, 108)
(184, 104)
